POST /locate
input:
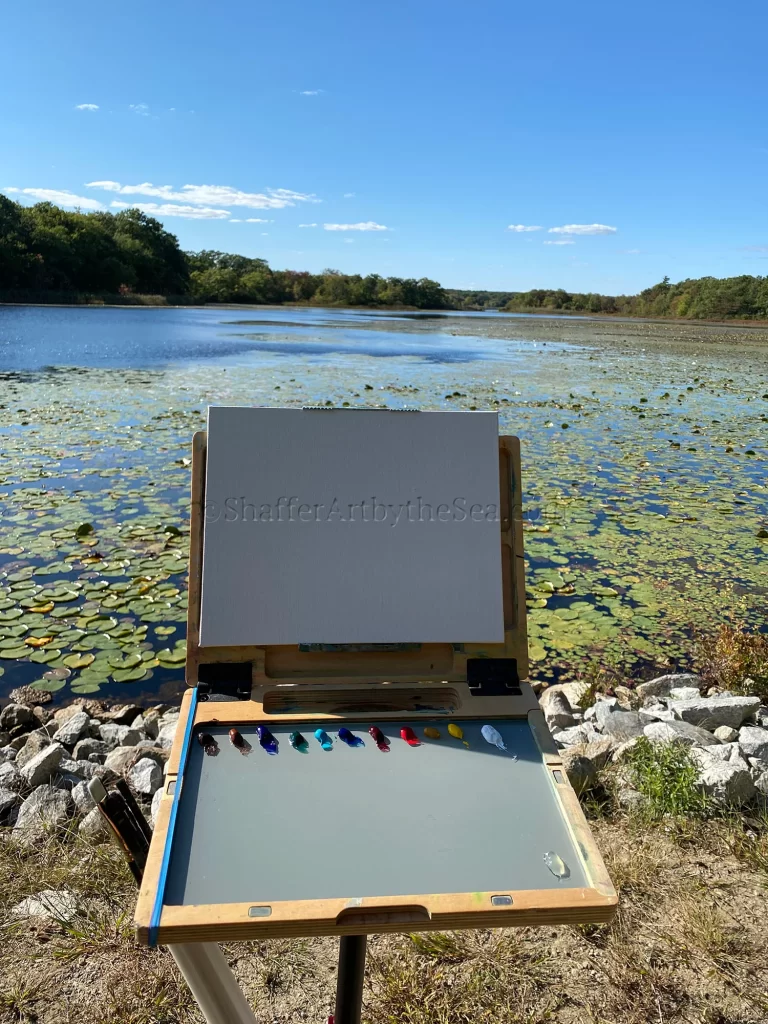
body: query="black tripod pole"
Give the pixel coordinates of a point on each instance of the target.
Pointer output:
(349, 984)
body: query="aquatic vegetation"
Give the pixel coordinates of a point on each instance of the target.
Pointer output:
(643, 521)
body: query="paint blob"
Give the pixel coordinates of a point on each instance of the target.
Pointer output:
(456, 731)
(431, 733)
(298, 742)
(349, 737)
(492, 736)
(379, 738)
(267, 740)
(324, 739)
(236, 739)
(556, 865)
(208, 743)
(409, 736)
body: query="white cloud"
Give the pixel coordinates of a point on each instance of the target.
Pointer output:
(349, 195)
(560, 241)
(307, 225)
(524, 227)
(264, 234)
(87, 106)
(139, 108)
(583, 229)
(56, 196)
(210, 195)
(171, 210)
(367, 225)
(310, 92)
(257, 220)
(235, 220)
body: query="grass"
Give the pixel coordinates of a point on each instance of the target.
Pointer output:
(732, 656)
(666, 774)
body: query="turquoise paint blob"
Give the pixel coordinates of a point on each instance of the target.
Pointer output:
(324, 739)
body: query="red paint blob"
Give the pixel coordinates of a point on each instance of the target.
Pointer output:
(409, 736)
(379, 738)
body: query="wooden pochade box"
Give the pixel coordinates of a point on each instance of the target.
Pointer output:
(450, 833)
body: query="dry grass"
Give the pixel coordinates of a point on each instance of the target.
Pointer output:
(687, 947)
(733, 655)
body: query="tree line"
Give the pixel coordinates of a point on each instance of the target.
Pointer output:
(704, 298)
(50, 253)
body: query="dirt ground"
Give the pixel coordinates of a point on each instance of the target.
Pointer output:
(688, 945)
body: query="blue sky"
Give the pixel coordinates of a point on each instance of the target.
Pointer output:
(412, 134)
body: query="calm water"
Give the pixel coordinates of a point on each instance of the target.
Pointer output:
(644, 466)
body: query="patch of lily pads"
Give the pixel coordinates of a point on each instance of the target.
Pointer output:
(644, 521)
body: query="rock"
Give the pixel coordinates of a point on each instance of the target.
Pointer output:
(155, 806)
(657, 713)
(712, 712)
(39, 769)
(677, 732)
(728, 783)
(146, 777)
(599, 751)
(14, 715)
(590, 714)
(684, 693)
(81, 769)
(577, 734)
(5, 739)
(661, 685)
(86, 747)
(761, 784)
(621, 725)
(70, 731)
(119, 735)
(36, 741)
(724, 751)
(53, 904)
(43, 715)
(93, 826)
(753, 741)
(97, 758)
(82, 799)
(725, 733)
(150, 722)
(166, 734)
(581, 772)
(630, 799)
(120, 759)
(121, 714)
(557, 709)
(761, 716)
(9, 799)
(10, 777)
(26, 695)
(624, 696)
(46, 806)
(17, 742)
(7, 754)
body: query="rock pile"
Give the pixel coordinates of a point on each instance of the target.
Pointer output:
(727, 734)
(47, 759)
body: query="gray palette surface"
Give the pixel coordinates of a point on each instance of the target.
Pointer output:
(356, 822)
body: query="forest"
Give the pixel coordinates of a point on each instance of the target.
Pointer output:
(49, 254)
(705, 298)
(52, 255)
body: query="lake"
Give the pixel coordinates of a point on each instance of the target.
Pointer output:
(644, 463)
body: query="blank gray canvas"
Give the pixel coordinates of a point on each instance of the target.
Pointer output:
(355, 822)
(351, 527)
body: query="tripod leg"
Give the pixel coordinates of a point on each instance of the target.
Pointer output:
(213, 985)
(349, 984)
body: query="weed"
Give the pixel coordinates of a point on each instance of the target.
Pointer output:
(736, 660)
(666, 774)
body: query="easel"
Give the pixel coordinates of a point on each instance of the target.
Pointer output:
(290, 686)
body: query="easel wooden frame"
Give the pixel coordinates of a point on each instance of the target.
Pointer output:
(329, 675)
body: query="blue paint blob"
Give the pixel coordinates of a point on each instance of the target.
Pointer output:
(298, 742)
(324, 739)
(266, 739)
(349, 737)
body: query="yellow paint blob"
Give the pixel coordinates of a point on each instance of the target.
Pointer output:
(431, 733)
(456, 731)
